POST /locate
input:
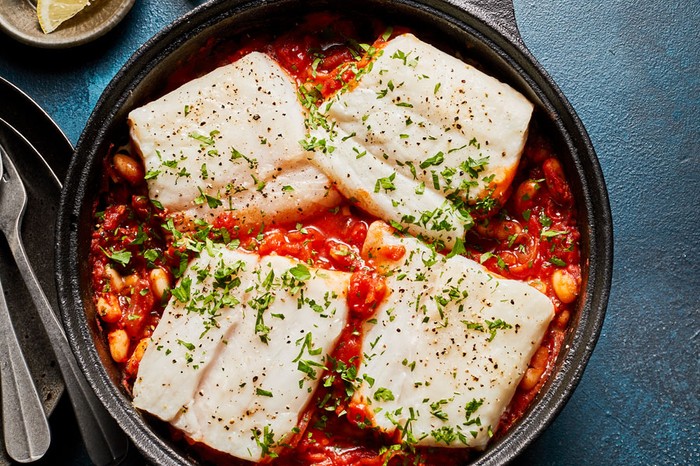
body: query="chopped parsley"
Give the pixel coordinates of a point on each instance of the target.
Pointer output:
(557, 261)
(182, 291)
(386, 183)
(206, 140)
(263, 392)
(121, 257)
(436, 160)
(383, 394)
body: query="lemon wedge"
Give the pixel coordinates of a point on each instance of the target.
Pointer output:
(52, 13)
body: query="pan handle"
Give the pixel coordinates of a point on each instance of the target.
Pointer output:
(499, 14)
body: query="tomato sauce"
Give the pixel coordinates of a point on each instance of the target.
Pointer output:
(533, 237)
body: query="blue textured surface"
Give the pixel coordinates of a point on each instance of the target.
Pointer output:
(631, 71)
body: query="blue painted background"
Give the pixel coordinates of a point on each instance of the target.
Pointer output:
(631, 70)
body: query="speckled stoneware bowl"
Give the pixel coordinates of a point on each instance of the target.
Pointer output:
(487, 29)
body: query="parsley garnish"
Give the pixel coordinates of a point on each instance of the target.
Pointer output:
(151, 174)
(211, 201)
(387, 33)
(182, 291)
(150, 255)
(300, 272)
(544, 220)
(140, 237)
(547, 233)
(556, 261)
(265, 440)
(436, 160)
(383, 394)
(386, 183)
(207, 140)
(497, 324)
(436, 410)
(121, 257)
(187, 345)
(458, 248)
(470, 409)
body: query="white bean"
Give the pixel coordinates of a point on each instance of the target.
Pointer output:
(565, 286)
(116, 283)
(538, 364)
(530, 379)
(108, 309)
(128, 168)
(160, 281)
(562, 319)
(132, 366)
(119, 345)
(526, 192)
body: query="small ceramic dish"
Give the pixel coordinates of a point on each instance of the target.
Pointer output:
(18, 19)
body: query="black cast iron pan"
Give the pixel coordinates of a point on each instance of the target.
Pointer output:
(487, 29)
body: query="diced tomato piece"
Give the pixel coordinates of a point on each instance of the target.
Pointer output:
(556, 182)
(114, 216)
(366, 291)
(141, 302)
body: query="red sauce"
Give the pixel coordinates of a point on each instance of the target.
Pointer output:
(531, 238)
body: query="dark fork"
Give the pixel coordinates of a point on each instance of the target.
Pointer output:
(105, 442)
(25, 427)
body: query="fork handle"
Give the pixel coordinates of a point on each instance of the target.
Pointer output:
(105, 442)
(24, 423)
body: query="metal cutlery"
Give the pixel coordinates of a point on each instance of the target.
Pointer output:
(104, 441)
(25, 427)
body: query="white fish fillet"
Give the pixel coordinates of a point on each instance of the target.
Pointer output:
(229, 140)
(234, 367)
(450, 343)
(429, 214)
(441, 126)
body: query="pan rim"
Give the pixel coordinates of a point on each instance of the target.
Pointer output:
(561, 385)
